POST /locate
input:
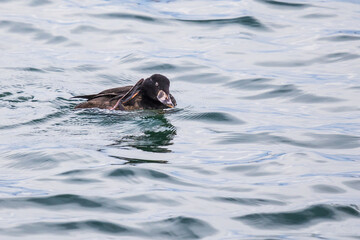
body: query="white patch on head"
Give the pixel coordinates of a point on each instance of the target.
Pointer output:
(157, 84)
(161, 95)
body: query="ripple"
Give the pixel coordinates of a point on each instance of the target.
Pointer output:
(249, 201)
(328, 58)
(324, 188)
(29, 69)
(181, 228)
(242, 168)
(155, 67)
(145, 198)
(67, 201)
(5, 94)
(75, 172)
(291, 91)
(128, 16)
(251, 170)
(55, 69)
(300, 219)
(213, 117)
(39, 160)
(204, 78)
(34, 121)
(87, 29)
(280, 91)
(327, 141)
(104, 117)
(79, 180)
(114, 79)
(18, 27)
(247, 21)
(66, 227)
(285, 4)
(133, 161)
(354, 184)
(341, 38)
(319, 15)
(151, 67)
(338, 57)
(56, 40)
(343, 109)
(135, 174)
(27, 28)
(36, 3)
(88, 68)
(311, 98)
(251, 84)
(175, 227)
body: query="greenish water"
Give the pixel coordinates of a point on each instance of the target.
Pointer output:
(264, 142)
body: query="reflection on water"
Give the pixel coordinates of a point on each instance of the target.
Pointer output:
(264, 143)
(156, 134)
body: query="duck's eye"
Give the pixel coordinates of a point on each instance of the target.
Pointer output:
(156, 84)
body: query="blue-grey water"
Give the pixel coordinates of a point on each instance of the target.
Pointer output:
(264, 142)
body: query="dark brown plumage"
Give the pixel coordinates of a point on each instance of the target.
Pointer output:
(151, 93)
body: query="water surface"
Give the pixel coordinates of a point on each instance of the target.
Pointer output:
(264, 142)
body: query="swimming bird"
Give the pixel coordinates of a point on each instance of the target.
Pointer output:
(151, 93)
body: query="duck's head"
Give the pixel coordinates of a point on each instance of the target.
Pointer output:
(157, 87)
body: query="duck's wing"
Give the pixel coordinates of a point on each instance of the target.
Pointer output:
(109, 93)
(130, 94)
(112, 98)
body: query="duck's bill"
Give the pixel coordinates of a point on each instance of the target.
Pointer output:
(165, 99)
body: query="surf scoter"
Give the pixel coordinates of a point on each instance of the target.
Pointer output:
(151, 93)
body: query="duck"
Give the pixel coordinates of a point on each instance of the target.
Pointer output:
(150, 93)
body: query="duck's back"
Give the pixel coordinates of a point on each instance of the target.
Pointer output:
(105, 99)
